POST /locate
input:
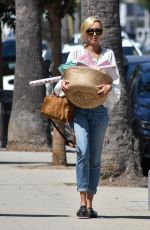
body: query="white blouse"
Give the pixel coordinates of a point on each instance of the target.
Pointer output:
(106, 55)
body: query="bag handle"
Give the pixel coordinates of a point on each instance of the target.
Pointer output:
(70, 143)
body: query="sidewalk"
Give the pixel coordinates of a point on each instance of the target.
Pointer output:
(37, 196)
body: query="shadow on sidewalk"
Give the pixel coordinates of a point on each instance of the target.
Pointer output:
(30, 215)
(99, 217)
(23, 162)
(125, 217)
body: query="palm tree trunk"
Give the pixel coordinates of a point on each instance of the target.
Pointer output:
(27, 131)
(120, 152)
(1, 59)
(58, 144)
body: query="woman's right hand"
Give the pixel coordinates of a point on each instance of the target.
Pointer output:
(64, 85)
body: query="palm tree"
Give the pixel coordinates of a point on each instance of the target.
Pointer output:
(26, 127)
(120, 153)
(56, 11)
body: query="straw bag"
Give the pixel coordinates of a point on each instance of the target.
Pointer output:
(82, 90)
(59, 108)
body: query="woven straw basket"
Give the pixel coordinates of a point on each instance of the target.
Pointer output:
(83, 82)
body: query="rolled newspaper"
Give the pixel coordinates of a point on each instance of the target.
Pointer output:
(44, 81)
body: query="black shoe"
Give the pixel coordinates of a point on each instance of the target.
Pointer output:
(83, 212)
(92, 213)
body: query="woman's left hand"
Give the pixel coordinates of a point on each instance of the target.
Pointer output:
(103, 89)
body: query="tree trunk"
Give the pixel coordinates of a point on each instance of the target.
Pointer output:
(58, 144)
(120, 152)
(1, 82)
(1, 59)
(27, 131)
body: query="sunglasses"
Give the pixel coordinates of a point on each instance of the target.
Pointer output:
(90, 32)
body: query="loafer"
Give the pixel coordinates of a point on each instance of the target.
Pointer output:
(83, 212)
(92, 213)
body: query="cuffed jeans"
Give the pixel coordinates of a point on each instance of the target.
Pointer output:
(89, 127)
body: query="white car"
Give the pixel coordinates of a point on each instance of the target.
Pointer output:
(9, 56)
(129, 46)
(69, 47)
(76, 37)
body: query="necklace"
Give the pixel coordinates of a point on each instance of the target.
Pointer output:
(94, 55)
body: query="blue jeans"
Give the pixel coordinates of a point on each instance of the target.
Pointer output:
(89, 127)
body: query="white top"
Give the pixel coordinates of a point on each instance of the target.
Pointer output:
(108, 56)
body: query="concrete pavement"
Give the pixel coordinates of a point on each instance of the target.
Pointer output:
(36, 196)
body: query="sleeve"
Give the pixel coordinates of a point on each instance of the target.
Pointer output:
(114, 95)
(57, 89)
(72, 56)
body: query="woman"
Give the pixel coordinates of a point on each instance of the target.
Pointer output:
(90, 124)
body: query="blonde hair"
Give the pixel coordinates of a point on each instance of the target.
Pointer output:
(86, 25)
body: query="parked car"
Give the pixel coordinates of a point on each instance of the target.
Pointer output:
(139, 101)
(139, 109)
(76, 37)
(145, 155)
(129, 46)
(7, 82)
(132, 61)
(7, 86)
(146, 50)
(46, 51)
